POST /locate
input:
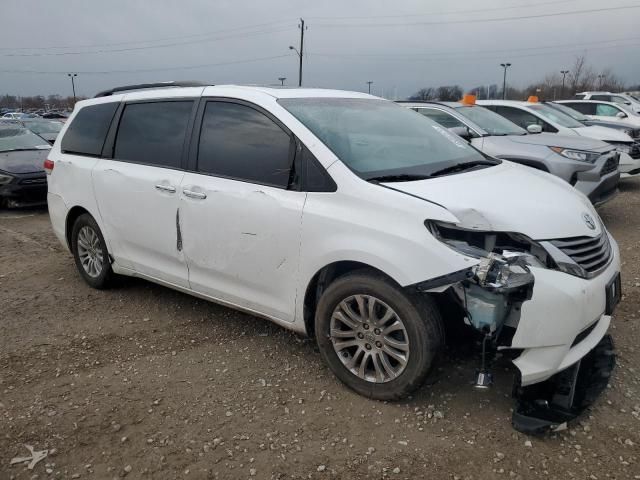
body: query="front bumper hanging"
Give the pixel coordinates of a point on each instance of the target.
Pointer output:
(548, 405)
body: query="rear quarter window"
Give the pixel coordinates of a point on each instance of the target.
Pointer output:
(88, 129)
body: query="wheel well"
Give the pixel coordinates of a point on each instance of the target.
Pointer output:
(321, 280)
(72, 216)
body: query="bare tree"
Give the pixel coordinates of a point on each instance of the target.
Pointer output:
(428, 93)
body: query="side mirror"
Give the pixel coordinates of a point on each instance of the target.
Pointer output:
(621, 115)
(534, 128)
(461, 132)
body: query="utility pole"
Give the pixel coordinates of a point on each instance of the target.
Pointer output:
(300, 52)
(504, 80)
(564, 74)
(73, 85)
(600, 77)
(282, 79)
(369, 84)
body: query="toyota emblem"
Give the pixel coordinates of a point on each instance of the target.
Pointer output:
(588, 219)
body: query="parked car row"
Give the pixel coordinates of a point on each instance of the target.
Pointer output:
(372, 227)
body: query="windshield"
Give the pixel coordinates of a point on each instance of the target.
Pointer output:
(555, 116)
(376, 137)
(20, 139)
(43, 126)
(575, 114)
(490, 122)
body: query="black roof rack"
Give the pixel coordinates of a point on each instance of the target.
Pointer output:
(142, 86)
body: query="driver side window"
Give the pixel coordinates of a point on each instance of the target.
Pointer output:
(441, 117)
(524, 119)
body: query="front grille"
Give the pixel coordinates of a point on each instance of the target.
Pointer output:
(592, 254)
(635, 150)
(611, 165)
(33, 181)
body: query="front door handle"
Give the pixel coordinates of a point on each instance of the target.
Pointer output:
(192, 194)
(166, 188)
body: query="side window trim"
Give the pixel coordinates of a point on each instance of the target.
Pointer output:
(196, 130)
(108, 150)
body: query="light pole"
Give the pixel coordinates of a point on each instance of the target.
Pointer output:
(564, 74)
(73, 85)
(282, 79)
(504, 80)
(369, 85)
(300, 52)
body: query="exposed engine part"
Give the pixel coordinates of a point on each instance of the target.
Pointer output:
(484, 378)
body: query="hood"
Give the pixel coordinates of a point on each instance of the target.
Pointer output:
(509, 198)
(565, 141)
(27, 161)
(603, 133)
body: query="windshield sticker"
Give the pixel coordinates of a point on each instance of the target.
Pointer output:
(458, 142)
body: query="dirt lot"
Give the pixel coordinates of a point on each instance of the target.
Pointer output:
(145, 382)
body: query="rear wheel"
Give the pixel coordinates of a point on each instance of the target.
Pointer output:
(90, 252)
(377, 339)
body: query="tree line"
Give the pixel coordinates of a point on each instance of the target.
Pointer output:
(581, 77)
(50, 102)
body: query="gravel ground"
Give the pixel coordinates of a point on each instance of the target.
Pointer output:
(145, 382)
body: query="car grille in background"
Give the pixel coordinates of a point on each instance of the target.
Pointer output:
(592, 254)
(610, 165)
(635, 151)
(33, 181)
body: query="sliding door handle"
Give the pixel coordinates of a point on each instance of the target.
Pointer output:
(166, 188)
(196, 195)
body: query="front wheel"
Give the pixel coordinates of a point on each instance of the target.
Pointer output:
(377, 339)
(90, 252)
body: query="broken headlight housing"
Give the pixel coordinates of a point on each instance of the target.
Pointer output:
(480, 244)
(579, 155)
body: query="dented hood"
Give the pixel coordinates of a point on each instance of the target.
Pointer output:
(511, 198)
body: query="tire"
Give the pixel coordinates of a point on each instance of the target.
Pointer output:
(422, 332)
(88, 246)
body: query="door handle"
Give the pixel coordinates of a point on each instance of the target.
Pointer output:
(192, 194)
(166, 188)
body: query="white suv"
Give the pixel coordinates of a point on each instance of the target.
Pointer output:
(345, 217)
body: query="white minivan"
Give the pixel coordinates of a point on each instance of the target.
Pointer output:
(348, 218)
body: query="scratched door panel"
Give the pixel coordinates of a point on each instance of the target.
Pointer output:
(242, 242)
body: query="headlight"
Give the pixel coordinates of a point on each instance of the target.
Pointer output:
(480, 244)
(5, 179)
(580, 155)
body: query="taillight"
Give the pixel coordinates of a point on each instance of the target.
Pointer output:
(48, 166)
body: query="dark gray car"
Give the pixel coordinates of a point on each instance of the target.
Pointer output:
(590, 165)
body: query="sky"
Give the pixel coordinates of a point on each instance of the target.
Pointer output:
(400, 46)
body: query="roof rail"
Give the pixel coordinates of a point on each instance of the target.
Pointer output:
(142, 86)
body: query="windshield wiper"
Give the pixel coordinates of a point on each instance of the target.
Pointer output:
(459, 167)
(400, 177)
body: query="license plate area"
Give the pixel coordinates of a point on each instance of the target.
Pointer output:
(613, 294)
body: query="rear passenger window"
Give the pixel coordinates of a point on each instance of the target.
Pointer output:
(602, 98)
(239, 142)
(153, 133)
(584, 108)
(88, 129)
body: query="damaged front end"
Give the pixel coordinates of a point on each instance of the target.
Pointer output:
(490, 296)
